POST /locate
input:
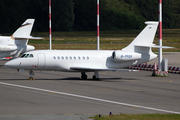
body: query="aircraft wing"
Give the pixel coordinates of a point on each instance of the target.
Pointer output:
(97, 69)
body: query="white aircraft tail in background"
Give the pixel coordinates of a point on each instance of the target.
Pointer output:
(17, 43)
(137, 52)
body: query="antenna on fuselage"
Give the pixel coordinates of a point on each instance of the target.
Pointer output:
(50, 25)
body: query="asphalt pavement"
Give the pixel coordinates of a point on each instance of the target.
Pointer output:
(61, 95)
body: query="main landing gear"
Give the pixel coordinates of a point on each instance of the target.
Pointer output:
(83, 76)
(31, 74)
(95, 76)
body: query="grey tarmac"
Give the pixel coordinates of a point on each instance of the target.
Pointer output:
(135, 88)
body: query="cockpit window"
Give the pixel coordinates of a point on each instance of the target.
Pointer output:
(22, 55)
(26, 56)
(31, 55)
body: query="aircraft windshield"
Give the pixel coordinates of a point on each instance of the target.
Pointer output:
(22, 55)
(26, 56)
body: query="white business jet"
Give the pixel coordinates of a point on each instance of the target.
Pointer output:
(138, 51)
(17, 43)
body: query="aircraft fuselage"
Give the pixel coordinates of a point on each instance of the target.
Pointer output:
(64, 60)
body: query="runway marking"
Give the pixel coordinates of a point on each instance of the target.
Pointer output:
(91, 98)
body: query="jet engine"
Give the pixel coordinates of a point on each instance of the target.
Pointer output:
(120, 56)
(7, 48)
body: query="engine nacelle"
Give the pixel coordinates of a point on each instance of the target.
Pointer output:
(7, 48)
(121, 56)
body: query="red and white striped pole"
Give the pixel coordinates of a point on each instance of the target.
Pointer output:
(97, 24)
(160, 36)
(50, 25)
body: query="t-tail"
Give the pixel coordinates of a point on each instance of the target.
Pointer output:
(144, 41)
(24, 30)
(22, 35)
(142, 44)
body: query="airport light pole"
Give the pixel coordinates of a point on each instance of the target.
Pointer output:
(97, 24)
(160, 36)
(50, 46)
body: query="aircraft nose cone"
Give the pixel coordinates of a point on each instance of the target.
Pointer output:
(10, 64)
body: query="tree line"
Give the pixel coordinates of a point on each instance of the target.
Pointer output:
(81, 15)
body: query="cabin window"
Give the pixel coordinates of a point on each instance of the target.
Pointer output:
(54, 57)
(66, 58)
(58, 58)
(83, 58)
(74, 58)
(79, 58)
(87, 58)
(62, 58)
(70, 58)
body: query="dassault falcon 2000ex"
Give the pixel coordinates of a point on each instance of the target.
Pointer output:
(138, 51)
(17, 43)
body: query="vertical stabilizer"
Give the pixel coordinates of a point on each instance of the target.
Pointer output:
(144, 39)
(24, 30)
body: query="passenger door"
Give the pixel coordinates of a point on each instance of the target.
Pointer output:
(41, 61)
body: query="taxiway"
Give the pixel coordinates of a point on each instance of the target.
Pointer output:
(60, 93)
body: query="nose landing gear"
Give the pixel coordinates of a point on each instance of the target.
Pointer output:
(31, 74)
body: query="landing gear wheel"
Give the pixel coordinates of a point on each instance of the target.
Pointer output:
(31, 78)
(95, 78)
(31, 74)
(83, 76)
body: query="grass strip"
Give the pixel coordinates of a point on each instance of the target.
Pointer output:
(138, 117)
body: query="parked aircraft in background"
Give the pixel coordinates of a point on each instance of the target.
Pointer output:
(138, 51)
(17, 43)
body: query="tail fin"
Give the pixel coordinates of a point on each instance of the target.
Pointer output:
(22, 34)
(24, 30)
(144, 41)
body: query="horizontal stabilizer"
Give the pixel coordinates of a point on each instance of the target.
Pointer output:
(28, 37)
(152, 45)
(97, 69)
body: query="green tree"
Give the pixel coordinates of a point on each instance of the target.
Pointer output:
(148, 9)
(81, 14)
(117, 14)
(176, 12)
(168, 20)
(13, 13)
(62, 15)
(85, 15)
